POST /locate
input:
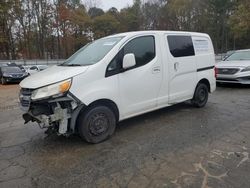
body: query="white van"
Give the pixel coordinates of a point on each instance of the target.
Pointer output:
(118, 77)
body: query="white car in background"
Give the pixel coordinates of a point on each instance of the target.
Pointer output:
(36, 68)
(235, 68)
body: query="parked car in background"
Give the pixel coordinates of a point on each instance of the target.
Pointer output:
(36, 68)
(228, 54)
(3, 65)
(235, 68)
(11, 74)
(26, 67)
(22, 68)
(118, 77)
(11, 64)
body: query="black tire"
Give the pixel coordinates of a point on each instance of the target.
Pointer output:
(96, 124)
(200, 96)
(3, 81)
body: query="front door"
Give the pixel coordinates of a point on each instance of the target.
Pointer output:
(139, 86)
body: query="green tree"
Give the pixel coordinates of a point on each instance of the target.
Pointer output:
(151, 14)
(57, 28)
(7, 43)
(94, 12)
(240, 20)
(131, 17)
(105, 25)
(81, 25)
(218, 14)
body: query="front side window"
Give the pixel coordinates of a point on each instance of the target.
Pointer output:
(93, 52)
(143, 48)
(181, 46)
(114, 66)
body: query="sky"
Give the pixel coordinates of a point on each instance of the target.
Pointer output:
(119, 4)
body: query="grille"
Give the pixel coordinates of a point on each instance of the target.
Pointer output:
(25, 103)
(227, 70)
(17, 75)
(25, 95)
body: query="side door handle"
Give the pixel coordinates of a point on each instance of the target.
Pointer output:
(176, 66)
(156, 70)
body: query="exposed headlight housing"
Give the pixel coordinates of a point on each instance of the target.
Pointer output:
(54, 90)
(246, 69)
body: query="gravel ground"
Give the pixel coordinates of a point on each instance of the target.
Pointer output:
(8, 97)
(180, 146)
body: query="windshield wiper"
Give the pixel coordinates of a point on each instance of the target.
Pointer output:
(71, 65)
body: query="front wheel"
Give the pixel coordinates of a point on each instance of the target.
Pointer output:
(96, 124)
(200, 96)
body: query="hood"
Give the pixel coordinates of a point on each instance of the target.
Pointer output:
(51, 75)
(239, 64)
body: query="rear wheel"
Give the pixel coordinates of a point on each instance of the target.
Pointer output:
(200, 96)
(96, 124)
(3, 81)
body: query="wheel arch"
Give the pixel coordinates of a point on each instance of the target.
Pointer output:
(82, 108)
(105, 102)
(206, 82)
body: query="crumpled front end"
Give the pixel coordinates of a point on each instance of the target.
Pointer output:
(57, 113)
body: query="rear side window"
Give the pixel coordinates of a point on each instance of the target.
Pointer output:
(143, 48)
(181, 46)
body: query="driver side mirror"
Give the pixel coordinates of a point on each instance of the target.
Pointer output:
(128, 61)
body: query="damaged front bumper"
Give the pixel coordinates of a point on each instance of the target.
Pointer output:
(58, 113)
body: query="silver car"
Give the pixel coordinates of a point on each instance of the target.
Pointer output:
(235, 68)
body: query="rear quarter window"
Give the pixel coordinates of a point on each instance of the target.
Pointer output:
(201, 45)
(181, 46)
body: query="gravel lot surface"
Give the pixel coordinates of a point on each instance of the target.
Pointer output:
(180, 146)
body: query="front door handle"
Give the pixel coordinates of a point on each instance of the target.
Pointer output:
(156, 70)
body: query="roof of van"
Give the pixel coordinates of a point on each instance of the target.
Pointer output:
(133, 33)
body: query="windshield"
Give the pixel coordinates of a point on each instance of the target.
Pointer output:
(93, 52)
(12, 69)
(239, 56)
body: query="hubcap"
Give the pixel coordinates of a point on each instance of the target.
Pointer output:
(98, 124)
(202, 95)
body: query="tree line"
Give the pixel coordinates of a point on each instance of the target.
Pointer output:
(54, 29)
